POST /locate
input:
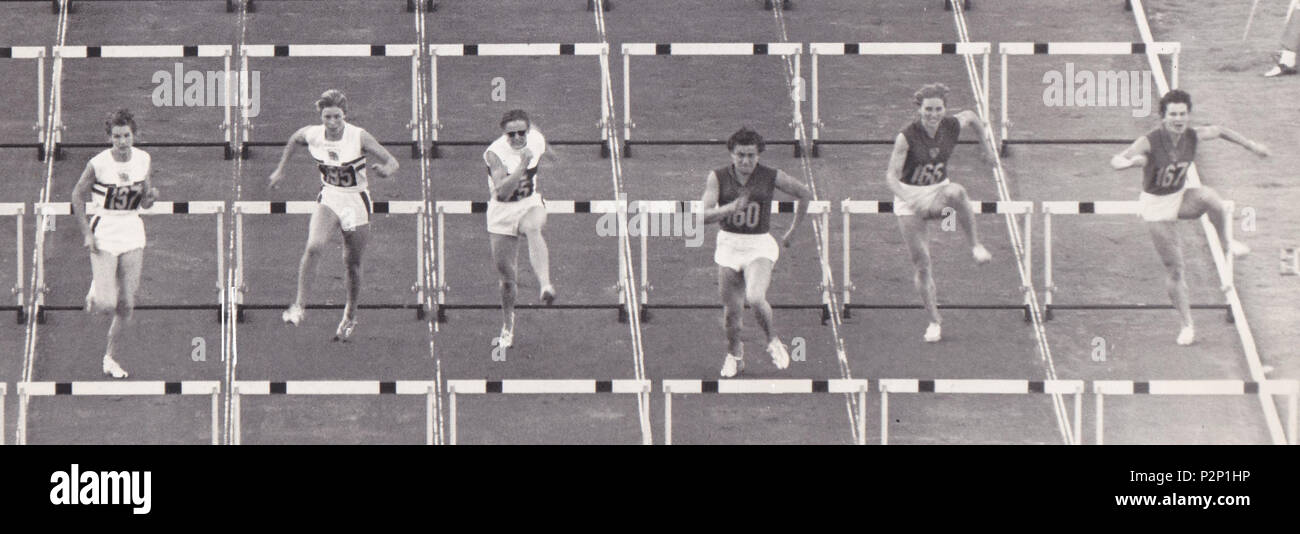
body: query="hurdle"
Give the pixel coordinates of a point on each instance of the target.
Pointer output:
(596, 50)
(783, 50)
(37, 53)
(1003, 207)
(47, 211)
(4, 390)
(306, 207)
(233, 5)
(767, 386)
(882, 49)
(16, 210)
(144, 388)
(241, 388)
(464, 207)
(328, 51)
(646, 225)
(980, 387)
(1114, 91)
(152, 52)
(1118, 207)
(1287, 388)
(542, 387)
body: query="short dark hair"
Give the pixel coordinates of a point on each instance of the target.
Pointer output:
(1175, 96)
(332, 98)
(515, 115)
(121, 117)
(934, 90)
(745, 136)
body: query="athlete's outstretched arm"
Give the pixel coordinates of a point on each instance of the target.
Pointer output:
(369, 144)
(1133, 156)
(1223, 132)
(79, 193)
(709, 208)
(790, 186)
(894, 173)
(299, 138)
(970, 118)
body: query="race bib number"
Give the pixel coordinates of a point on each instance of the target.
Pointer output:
(339, 176)
(124, 197)
(749, 217)
(1172, 175)
(931, 173)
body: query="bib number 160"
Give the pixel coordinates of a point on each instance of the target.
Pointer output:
(748, 217)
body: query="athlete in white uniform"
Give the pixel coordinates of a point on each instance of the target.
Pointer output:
(340, 151)
(516, 207)
(118, 182)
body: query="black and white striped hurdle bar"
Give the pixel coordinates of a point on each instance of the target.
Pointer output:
(336, 51)
(16, 210)
(882, 49)
(465, 207)
(541, 387)
(120, 388)
(650, 220)
(1287, 388)
(429, 5)
(517, 50)
(1112, 207)
(47, 211)
(794, 50)
(769, 387)
(37, 53)
(225, 91)
(1171, 49)
(980, 387)
(1001, 207)
(428, 388)
(307, 207)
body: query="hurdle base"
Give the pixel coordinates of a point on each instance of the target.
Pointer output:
(604, 150)
(607, 4)
(815, 150)
(947, 5)
(786, 5)
(1128, 5)
(434, 153)
(228, 152)
(415, 150)
(429, 5)
(230, 6)
(244, 152)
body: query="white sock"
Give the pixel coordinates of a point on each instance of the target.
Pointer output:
(1288, 58)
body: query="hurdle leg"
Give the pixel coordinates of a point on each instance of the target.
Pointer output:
(40, 105)
(884, 416)
(419, 263)
(18, 266)
(216, 416)
(862, 416)
(1098, 422)
(848, 277)
(1173, 70)
(667, 416)
(1048, 286)
(986, 85)
(415, 111)
(627, 105)
(428, 418)
(606, 107)
(1029, 261)
(433, 105)
(816, 117)
(1290, 424)
(451, 412)
(441, 263)
(1005, 120)
(1078, 417)
(221, 261)
(238, 297)
(3, 392)
(20, 432)
(236, 438)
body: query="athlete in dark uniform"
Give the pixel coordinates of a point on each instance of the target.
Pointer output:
(918, 176)
(739, 197)
(1169, 191)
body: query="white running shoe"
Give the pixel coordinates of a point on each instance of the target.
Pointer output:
(780, 357)
(293, 315)
(505, 340)
(548, 294)
(1186, 336)
(111, 368)
(1238, 249)
(981, 254)
(732, 366)
(932, 333)
(346, 326)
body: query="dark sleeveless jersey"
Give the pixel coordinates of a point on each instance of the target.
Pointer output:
(754, 218)
(927, 157)
(1166, 169)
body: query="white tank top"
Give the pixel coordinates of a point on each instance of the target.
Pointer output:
(342, 163)
(119, 185)
(511, 158)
